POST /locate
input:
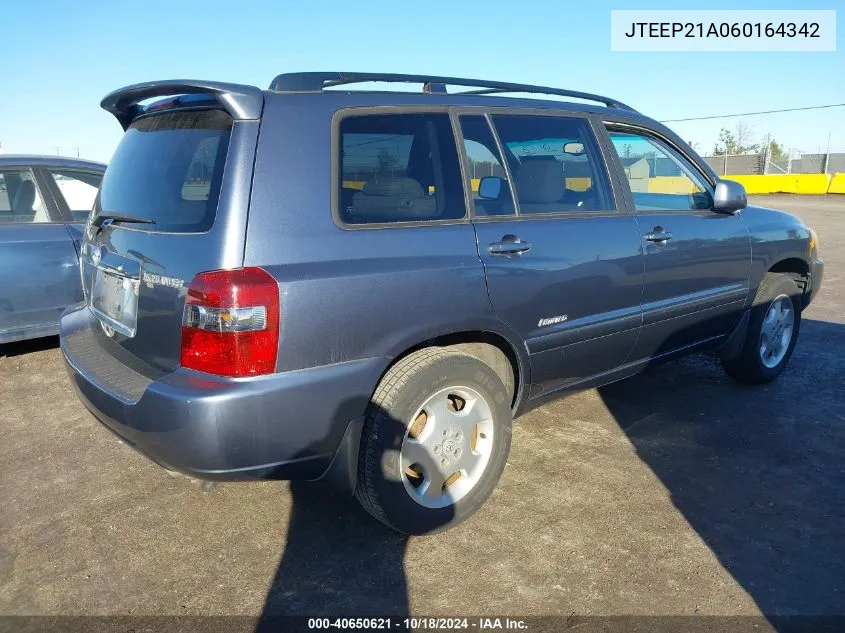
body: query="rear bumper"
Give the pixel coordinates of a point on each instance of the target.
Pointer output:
(289, 425)
(816, 276)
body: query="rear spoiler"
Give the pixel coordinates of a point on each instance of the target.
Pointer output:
(242, 102)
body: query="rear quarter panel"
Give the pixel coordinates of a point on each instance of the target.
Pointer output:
(360, 293)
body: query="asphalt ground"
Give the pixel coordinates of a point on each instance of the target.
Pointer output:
(676, 492)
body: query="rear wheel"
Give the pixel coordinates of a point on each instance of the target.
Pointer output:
(772, 331)
(435, 441)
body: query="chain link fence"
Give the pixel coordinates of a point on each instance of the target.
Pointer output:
(752, 164)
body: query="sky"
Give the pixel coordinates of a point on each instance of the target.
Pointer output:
(62, 57)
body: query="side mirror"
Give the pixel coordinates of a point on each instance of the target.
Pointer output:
(491, 187)
(729, 197)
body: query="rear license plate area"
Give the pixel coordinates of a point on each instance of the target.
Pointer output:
(114, 299)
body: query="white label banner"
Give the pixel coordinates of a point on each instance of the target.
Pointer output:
(719, 30)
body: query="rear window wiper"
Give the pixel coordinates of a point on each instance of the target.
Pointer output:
(98, 220)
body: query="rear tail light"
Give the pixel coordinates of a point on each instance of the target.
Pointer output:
(230, 324)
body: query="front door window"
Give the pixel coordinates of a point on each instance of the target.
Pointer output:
(660, 179)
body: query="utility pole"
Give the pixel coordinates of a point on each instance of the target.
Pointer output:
(827, 154)
(766, 155)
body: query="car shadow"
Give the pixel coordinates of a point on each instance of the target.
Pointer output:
(18, 348)
(757, 471)
(337, 559)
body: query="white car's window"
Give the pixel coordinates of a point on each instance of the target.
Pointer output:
(20, 200)
(79, 189)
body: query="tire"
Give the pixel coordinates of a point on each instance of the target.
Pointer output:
(750, 366)
(412, 414)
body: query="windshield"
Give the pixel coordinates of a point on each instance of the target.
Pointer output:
(168, 168)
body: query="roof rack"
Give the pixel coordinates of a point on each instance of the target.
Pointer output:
(432, 84)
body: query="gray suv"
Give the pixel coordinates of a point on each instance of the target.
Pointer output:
(366, 287)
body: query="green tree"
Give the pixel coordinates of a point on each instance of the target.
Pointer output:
(386, 161)
(776, 151)
(739, 141)
(726, 143)
(745, 139)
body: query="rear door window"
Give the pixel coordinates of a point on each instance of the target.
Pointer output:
(555, 164)
(168, 168)
(79, 190)
(485, 164)
(398, 168)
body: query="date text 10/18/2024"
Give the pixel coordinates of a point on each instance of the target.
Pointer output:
(418, 624)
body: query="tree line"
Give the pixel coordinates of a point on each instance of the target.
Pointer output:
(741, 141)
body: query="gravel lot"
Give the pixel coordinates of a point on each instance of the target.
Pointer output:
(675, 492)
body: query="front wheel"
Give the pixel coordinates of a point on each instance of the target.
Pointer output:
(435, 441)
(772, 331)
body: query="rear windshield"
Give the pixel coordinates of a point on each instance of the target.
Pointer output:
(168, 168)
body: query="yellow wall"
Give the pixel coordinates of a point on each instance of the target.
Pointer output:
(754, 184)
(759, 184)
(573, 184)
(784, 183)
(671, 184)
(578, 184)
(837, 184)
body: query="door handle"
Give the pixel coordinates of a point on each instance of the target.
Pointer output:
(658, 235)
(510, 245)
